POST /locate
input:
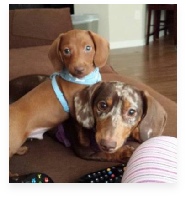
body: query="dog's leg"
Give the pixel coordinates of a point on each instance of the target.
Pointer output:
(122, 155)
(17, 148)
(13, 174)
(22, 150)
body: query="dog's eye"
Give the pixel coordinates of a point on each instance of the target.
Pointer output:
(102, 106)
(88, 48)
(131, 112)
(67, 51)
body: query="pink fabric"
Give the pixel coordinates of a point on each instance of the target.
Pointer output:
(154, 161)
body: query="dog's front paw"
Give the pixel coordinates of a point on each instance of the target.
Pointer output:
(13, 174)
(22, 150)
(126, 152)
(129, 150)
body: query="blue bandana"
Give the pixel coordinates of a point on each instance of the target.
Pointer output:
(90, 79)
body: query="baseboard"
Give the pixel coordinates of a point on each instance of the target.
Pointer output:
(126, 44)
(131, 43)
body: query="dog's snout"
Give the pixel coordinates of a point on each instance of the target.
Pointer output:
(108, 145)
(79, 69)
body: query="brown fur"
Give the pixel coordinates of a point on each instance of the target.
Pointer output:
(111, 130)
(40, 108)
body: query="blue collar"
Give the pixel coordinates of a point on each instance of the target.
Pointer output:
(90, 79)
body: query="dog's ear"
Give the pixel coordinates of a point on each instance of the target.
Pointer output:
(102, 49)
(83, 105)
(154, 119)
(55, 54)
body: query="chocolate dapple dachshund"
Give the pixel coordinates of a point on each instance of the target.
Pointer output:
(77, 54)
(107, 115)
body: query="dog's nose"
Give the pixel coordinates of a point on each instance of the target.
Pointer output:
(108, 145)
(79, 69)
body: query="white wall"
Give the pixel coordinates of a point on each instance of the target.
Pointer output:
(124, 25)
(101, 10)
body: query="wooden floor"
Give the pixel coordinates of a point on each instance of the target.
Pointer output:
(155, 65)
